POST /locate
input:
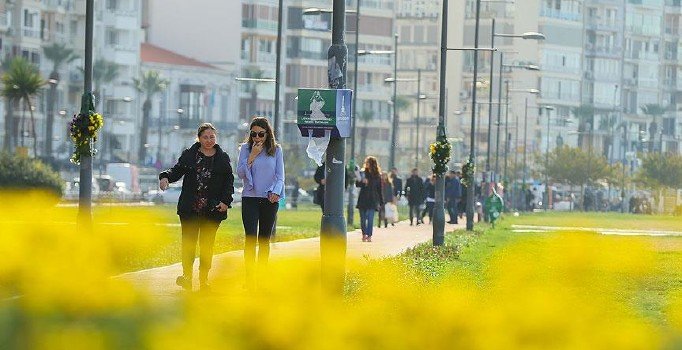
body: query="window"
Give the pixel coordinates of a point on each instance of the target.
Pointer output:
(112, 37)
(112, 5)
(192, 102)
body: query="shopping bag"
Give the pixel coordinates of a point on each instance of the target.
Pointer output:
(391, 212)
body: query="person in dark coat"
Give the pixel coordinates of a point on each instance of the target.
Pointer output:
(414, 191)
(430, 192)
(387, 191)
(370, 198)
(319, 193)
(397, 183)
(206, 195)
(453, 194)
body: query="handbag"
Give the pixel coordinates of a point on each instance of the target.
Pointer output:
(391, 212)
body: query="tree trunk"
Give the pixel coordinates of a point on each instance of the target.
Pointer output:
(33, 128)
(142, 150)
(9, 126)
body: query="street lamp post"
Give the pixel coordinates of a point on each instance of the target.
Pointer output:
(349, 208)
(394, 133)
(419, 98)
(472, 151)
(333, 225)
(85, 184)
(546, 199)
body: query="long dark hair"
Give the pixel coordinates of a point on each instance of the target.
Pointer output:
(372, 167)
(270, 144)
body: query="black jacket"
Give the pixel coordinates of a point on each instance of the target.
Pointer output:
(414, 190)
(220, 187)
(371, 196)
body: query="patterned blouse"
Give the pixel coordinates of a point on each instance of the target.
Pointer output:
(204, 166)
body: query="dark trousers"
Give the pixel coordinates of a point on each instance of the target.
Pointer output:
(414, 212)
(259, 217)
(428, 209)
(202, 230)
(453, 206)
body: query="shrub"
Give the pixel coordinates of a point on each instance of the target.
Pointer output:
(21, 173)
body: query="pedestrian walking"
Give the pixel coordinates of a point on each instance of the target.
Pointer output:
(370, 198)
(453, 194)
(387, 191)
(205, 197)
(430, 201)
(397, 183)
(319, 192)
(414, 191)
(261, 168)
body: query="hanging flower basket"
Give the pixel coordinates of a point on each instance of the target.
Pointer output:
(83, 129)
(440, 155)
(468, 171)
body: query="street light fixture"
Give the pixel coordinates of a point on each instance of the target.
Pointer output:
(525, 36)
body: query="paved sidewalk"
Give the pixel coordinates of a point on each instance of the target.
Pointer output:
(388, 241)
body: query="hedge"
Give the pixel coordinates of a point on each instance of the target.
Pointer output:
(21, 173)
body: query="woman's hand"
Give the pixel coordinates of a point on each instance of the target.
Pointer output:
(222, 207)
(365, 181)
(273, 197)
(163, 184)
(256, 149)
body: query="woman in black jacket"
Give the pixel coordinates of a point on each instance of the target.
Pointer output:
(370, 198)
(206, 195)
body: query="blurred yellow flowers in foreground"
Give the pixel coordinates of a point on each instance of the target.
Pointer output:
(569, 291)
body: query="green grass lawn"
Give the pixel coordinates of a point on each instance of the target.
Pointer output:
(472, 253)
(602, 220)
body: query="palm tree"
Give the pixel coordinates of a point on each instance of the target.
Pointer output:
(9, 118)
(151, 84)
(103, 73)
(585, 115)
(22, 81)
(58, 54)
(653, 110)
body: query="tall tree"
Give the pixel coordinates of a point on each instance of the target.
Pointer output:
(103, 73)
(150, 84)
(9, 141)
(22, 82)
(585, 115)
(573, 166)
(59, 54)
(661, 170)
(653, 110)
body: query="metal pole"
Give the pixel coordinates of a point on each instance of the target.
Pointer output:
(394, 134)
(589, 163)
(333, 226)
(472, 150)
(546, 203)
(351, 198)
(419, 93)
(516, 158)
(506, 139)
(278, 68)
(439, 206)
(622, 185)
(158, 150)
(490, 104)
(499, 117)
(525, 147)
(85, 185)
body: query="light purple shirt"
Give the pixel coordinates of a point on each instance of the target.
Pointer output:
(264, 175)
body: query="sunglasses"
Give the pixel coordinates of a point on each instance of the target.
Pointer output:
(260, 134)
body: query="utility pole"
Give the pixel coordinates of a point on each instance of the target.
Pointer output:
(419, 95)
(490, 107)
(439, 206)
(278, 69)
(85, 184)
(394, 133)
(333, 227)
(350, 207)
(472, 151)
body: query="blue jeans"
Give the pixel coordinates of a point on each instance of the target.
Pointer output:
(367, 221)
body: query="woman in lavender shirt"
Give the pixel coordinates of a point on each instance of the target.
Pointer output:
(261, 168)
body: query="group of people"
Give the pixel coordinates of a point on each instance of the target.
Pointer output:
(380, 189)
(207, 190)
(421, 196)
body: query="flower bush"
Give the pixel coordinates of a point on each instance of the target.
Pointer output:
(468, 172)
(439, 152)
(83, 129)
(570, 291)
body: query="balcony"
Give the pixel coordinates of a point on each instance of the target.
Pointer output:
(259, 24)
(597, 25)
(566, 16)
(31, 32)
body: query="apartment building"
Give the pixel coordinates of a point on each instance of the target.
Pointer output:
(614, 55)
(418, 27)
